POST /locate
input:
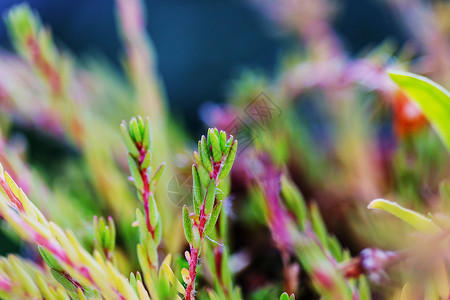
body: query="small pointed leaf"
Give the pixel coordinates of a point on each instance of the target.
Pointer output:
(210, 196)
(131, 146)
(158, 173)
(187, 224)
(134, 170)
(229, 161)
(215, 145)
(197, 189)
(153, 210)
(204, 175)
(147, 159)
(205, 154)
(212, 220)
(284, 296)
(50, 259)
(135, 130)
(147, 137)
(223, 140)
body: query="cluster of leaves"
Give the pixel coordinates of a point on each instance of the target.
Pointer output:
(213, 162)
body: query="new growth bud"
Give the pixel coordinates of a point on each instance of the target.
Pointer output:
(105, 236)
(137, 137)
(212, 163)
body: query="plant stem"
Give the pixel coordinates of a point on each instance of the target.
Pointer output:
(145, 192)
(190, 290)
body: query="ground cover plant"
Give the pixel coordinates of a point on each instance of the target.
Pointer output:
(326, 180)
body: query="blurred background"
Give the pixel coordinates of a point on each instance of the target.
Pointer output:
(202, 45)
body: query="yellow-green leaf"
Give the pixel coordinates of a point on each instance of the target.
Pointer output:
(413, 218)
(433, 100)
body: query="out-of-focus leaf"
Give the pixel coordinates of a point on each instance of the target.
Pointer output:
(134, 170)
(413, 218)
(146, 162)
(364, 289)
(433, 99)
(284, 296)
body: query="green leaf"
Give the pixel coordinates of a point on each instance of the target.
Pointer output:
(226, 274)
(135, 130)
(187, 225)
(138, 276)
(97, 231)
(223, 189)
(147, 137)
(413, 218)
(131, 146)
(112, 237)
(158, 173)
(204, 175)
(152, 251)
(22, 22)
(294, 200)
(223, 225)
(215, 145)
(134, 170)
(153, 210)
(212, 220)
(284, 296)
(142, 225)
(433, 100)
(208, 138)
(147, 159)
(229, 161)
(205, 154)
(197, 189)
(335, 248)
(158, 230)
(65, 282)
(223, 140)
(141, 124)
(364, 289)
(50, 259)
(318, 226)
(133, 282)
(228, 145)
(212, 295)
(197, 159)
(210, 196)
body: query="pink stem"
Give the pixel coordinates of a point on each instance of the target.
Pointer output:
(146, 191)
(200, 224)
(190, 290)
